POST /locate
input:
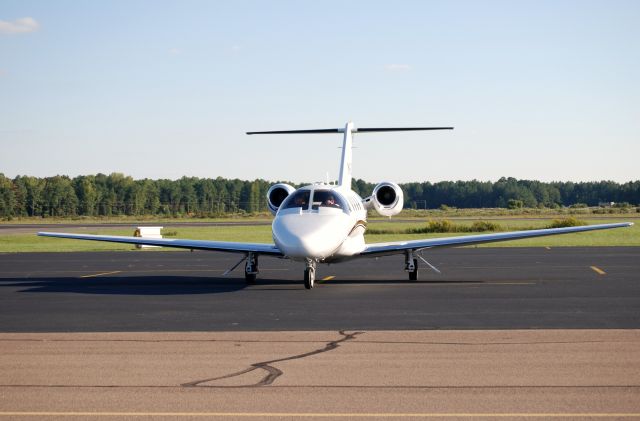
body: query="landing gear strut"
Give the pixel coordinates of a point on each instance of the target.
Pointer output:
(251, 268)
(310, 274)
(411, 265)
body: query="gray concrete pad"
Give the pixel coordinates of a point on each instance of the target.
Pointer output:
(334, 375)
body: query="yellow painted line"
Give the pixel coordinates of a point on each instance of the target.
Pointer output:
(100, 274)
(327, 278)
(317, 415)
(598, 270)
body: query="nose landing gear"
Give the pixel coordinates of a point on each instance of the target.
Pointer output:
(310, 274)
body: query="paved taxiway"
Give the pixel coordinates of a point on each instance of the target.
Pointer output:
(482, 288)
(277, 351)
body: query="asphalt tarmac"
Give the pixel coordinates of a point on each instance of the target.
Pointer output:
(479, 288)
(504, 333)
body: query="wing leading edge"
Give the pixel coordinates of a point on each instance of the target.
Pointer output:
(397, 247)
(232, 247)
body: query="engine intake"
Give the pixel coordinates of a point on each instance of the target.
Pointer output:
(276, 195)
(387, 198)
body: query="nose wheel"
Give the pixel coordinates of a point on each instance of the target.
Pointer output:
(310, 274)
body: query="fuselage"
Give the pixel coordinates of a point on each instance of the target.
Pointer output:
(320, 222)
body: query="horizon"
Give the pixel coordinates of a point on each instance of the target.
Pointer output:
(303, 183)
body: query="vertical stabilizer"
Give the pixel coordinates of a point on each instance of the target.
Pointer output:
(345, 162)
(347, 143)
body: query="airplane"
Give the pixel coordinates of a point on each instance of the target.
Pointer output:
(325, 223)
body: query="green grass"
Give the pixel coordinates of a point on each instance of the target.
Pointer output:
(500, 213)
(262, 234)
(147, 219)
(451, 213)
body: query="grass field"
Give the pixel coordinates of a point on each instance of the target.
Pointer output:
(452, 213)
(21, 242)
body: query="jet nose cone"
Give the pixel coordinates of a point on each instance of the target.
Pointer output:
(317, 245)
(308, 236)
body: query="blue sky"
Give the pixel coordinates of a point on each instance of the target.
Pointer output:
(546, 90)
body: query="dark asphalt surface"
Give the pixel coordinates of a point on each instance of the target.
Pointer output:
(480, 288)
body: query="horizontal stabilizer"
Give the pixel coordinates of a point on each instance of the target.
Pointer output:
(300, 131)
(354, 130)
(397, 129)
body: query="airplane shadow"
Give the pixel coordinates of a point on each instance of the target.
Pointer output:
(137, 285)
(185, 285)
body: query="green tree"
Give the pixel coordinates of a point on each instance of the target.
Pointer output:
(59, 197)
(87, 194)
(7, 197)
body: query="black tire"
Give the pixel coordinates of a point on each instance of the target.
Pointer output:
(250, 278)
(309, 278)
(413, 276)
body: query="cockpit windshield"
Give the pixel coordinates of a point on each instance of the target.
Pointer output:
(328, 199)
(298, 199)
(325, 199)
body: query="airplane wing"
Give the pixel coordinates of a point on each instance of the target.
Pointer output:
(267, 249)
(398, 247)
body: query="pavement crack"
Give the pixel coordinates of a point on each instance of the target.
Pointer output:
(272, 373)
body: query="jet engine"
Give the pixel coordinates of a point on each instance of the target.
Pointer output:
(276, 195)
(387, 198)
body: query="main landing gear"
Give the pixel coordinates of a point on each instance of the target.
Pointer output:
(411, 265)
(310, 274)
(251, 268)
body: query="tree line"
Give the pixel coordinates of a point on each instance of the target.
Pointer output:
(119, 194)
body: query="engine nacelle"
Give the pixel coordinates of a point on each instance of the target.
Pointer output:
(387, 198)
(276, 195)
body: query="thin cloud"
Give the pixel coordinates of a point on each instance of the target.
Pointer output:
(19, 26)
(3, 72)
(398, 67)
(174, 51)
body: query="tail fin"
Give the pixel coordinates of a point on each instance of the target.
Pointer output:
(344, 178)
(347, 142)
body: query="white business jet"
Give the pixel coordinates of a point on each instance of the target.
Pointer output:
(325, 223)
